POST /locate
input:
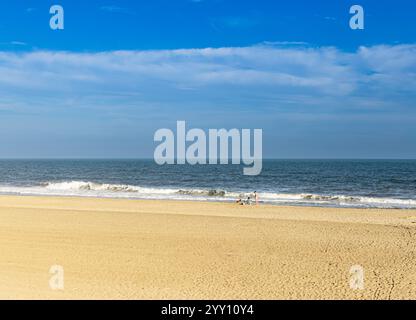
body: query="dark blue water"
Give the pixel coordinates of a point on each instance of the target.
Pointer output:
(345, 183)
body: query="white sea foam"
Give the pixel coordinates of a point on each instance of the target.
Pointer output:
(93, 189)
(91, 186)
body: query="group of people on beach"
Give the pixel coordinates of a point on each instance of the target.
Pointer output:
(251, 199)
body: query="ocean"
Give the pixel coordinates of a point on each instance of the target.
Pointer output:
(326, 183)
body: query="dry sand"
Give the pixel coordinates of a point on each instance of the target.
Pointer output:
(127, 249)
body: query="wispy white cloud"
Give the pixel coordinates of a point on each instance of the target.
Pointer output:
(263, 75)
(234, 22)
(285, 43)
(18, 43)
(116, 9)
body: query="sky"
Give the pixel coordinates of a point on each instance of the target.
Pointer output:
(120, 70)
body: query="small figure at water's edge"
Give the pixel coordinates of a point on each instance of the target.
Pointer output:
(249, 200)
(256, 198)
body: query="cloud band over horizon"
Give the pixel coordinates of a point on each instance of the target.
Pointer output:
(112, 93)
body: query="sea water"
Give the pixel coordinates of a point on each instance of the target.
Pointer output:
(334, 183)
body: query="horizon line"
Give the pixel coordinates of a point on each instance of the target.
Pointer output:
(151, 159)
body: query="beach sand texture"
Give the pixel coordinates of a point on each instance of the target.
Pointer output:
(130, 249)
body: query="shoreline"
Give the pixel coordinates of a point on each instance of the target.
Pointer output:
(232, 202)
(161, 249)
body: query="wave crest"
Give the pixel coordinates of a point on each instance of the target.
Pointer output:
(105, 190)
(89, 186)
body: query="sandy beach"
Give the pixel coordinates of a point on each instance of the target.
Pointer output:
(129, 249)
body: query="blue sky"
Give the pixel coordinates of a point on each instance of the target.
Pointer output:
(123, 69)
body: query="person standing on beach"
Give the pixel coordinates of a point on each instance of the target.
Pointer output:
(256, 198)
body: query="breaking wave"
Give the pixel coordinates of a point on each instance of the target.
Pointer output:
(93, 189)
